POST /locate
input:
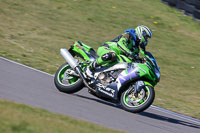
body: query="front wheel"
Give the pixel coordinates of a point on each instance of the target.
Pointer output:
(66, 80)
(137, 104)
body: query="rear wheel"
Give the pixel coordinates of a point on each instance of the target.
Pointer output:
(66, 80)
(137, 104)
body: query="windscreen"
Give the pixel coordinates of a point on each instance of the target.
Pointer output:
(152, 59)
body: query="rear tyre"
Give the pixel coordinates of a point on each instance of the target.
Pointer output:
(132, 104)
(65, 82)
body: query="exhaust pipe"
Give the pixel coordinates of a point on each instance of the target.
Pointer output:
(68, 57)
(72, 62)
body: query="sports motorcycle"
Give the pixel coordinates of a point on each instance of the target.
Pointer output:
(127, 82)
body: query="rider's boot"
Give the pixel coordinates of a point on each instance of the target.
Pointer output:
(91, 68)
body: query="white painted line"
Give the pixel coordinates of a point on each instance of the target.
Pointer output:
(175, 114)
(25, 66)
(152, 106)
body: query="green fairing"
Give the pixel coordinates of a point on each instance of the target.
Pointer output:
(147, 73)
(86, 47)
(79, 49)
(148, 84)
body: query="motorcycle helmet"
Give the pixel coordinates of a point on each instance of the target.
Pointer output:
(143, 33)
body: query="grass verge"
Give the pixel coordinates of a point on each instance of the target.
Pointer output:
(19, 118)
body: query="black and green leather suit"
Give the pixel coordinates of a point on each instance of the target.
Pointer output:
(125, 44)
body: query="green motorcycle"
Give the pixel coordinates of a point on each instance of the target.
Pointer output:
(128, 82)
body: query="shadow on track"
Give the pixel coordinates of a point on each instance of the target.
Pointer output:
(146, 114)
(99, 101)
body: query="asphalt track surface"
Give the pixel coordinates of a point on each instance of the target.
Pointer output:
(29, 86)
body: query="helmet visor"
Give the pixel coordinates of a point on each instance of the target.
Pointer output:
(145, 38)
(145, 35)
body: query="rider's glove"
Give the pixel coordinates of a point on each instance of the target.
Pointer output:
(131, 57)
(138, 59)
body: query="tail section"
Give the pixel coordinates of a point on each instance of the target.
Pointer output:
(84, 51)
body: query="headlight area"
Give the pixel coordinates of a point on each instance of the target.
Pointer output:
(157, 73)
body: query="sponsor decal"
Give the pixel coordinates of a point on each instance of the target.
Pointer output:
(122, 78)
(106, 90)
(79, 46)
(140, 68)
(148, 66)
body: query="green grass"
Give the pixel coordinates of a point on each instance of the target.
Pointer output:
(19, 118)
(32, 32)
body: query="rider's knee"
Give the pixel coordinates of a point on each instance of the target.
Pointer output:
(109, 56)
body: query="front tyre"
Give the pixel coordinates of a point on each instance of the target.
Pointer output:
(137, 104)
(66, 82)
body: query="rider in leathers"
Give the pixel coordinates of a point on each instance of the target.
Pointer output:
(127, 44)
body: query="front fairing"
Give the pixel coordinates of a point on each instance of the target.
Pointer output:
(152, 62)
(131, 73)
(147, 71)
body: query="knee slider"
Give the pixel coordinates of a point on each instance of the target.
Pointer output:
(106, 57)
(109, 56)
(114, 56)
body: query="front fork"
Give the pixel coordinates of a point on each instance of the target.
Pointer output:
(138, 87)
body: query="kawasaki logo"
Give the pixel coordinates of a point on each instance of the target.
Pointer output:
(108, 91)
